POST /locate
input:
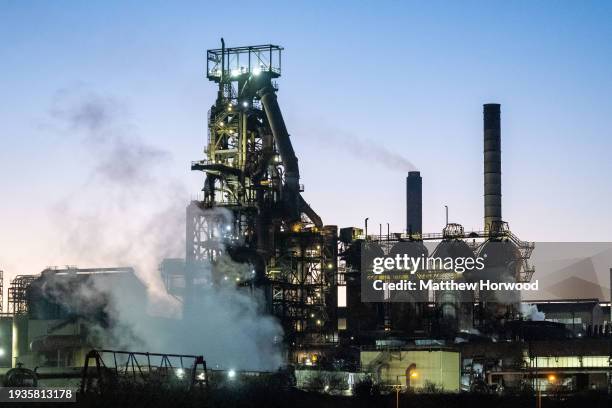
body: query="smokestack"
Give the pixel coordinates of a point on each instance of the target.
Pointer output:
(414, 203)
(492, 165)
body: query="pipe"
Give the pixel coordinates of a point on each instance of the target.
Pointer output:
(314, 217)
(414, 203)
(446, 210)
(492, 166)
(283, 144)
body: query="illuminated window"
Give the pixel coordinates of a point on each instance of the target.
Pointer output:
(342, 323)
(341, 296)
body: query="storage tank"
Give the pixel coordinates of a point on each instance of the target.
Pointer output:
(455, 308)
(502, 260)
(408, 307)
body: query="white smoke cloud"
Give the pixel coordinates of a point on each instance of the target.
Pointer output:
(130, 213)
(531, 312)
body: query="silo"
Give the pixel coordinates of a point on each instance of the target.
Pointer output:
(502, 260)
(455, 307)
(407, 307)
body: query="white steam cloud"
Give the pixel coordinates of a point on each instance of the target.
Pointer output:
(129, 212)
(531, 312)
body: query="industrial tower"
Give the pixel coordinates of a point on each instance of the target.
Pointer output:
(251, 207)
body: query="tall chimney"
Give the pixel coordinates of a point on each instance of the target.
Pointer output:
(414, 203)
(492, 165)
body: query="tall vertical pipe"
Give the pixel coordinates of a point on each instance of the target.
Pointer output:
(492, 165)
(414, 203)
(285, 149)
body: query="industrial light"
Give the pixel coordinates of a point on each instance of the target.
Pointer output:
(180, 373)
(2, 352)
(256, 71)
(245, 104)
(414, 374)
(551, 378)
(201, 376)
(225, 278)
(228, 228)
(235, 72)
(231, 374)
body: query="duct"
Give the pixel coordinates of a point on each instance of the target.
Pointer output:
(492, 166)
(414, 203)
(283, 144)
(314, 217)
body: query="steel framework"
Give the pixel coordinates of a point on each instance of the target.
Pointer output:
(141, 367)
(252, 208)
(17, 301)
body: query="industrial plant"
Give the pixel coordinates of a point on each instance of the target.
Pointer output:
(252, 227)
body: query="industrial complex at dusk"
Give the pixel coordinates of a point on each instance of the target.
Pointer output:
(265, 291)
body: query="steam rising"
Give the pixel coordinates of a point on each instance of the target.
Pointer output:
(365, 150)
(531, 312)
(129, 212)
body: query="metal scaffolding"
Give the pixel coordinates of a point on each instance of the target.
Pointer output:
(17, 300)
(252, 208)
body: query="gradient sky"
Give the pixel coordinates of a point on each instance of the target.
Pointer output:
(407, 76)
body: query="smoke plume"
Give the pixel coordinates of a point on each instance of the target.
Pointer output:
(531, 312)
(375, 153)
(365, 150)
(129, 212)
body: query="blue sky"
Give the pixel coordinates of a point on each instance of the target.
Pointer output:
(408, 76)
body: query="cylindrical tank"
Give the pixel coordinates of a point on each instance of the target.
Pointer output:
(455, 307)
(502, 260)
(20, 338)
(407, 307)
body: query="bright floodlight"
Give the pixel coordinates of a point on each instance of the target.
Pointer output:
(231, 374)
(245, 104)
(235, 72)
(180, 373)
(256, 71)
(2, 352)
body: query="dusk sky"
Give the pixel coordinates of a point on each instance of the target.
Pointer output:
(403, 77)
